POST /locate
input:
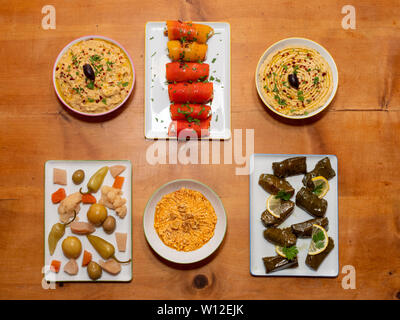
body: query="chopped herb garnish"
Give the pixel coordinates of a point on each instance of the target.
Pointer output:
(300, 95)
(104, 100)
(280, 101)
(316, 80)
(154, 53)
(213, 60)
(283, 195)
(90, 85)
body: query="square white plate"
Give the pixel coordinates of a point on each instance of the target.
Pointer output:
(260, 247)
(157, 116)
(51, 217)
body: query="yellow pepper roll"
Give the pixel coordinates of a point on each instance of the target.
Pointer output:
(188, 31)
(190, 52)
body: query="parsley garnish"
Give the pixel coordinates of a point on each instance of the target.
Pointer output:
(316, 80)
(300, 95)
(283, 195)
(280, 101)
(318, 189)
(318, 238)
(90, 85)
(290, 252)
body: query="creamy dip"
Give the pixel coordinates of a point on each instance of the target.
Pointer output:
(295, 80)
(112, 81)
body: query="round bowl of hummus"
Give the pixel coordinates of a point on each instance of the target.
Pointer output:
(296, 78)
(93, 75)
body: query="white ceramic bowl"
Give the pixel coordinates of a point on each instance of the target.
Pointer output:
(293, 42)
(87, 38)
(180, 256)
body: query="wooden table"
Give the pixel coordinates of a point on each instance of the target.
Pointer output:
(361, 126)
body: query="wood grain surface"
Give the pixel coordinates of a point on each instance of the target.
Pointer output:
(361, 127)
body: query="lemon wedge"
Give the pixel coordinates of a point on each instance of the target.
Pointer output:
(321, 186)
(274, 206)
(319, 240)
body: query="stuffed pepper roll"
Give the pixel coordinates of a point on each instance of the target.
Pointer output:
(285, 209)
(188, 31)
(322, 168)
(189, 52)
(308, 201)
(279, 263)
(290, 167)
(198, 92)
(280, 237)
(187, 111)
(183, 129)
(304, 229)
(274, 185)
(187, 71)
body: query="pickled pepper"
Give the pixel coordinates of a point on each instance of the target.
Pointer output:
(105, 249)
(96, 180)
(56, 233)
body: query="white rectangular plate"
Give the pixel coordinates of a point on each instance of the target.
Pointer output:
(260, 247)
(51, 217)
(157, 116)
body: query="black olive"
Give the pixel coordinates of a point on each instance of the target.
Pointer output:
(88, 71)
(293, 80)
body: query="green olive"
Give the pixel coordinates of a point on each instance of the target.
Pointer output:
(96, 214)
(78, 176)
(94, 270)
(109, 225)
(72, 247)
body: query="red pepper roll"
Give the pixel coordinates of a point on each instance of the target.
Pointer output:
(187, 71)
(184, 129)
(198, 92)
(189, 111)
(188, 31)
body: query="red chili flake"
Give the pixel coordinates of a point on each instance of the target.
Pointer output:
(324, 74)
(57, 68)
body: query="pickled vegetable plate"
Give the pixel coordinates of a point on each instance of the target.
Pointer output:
(51, 217)
(157, 103)
(260, 247)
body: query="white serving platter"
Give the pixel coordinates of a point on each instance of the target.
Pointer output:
(260, 247)
(51, 217)
(180, 256)
(157, 116)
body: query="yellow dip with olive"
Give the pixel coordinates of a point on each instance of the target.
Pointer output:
(295, 80)
(94, 76)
